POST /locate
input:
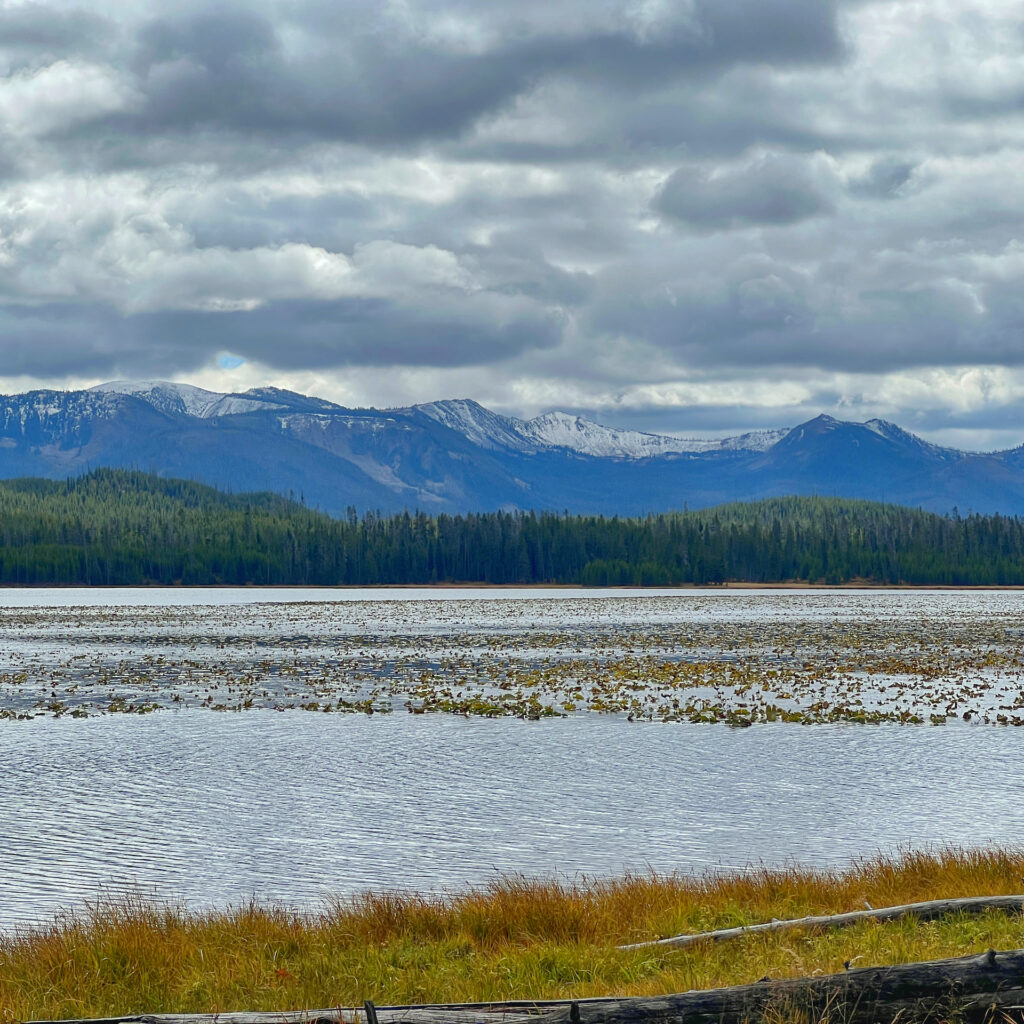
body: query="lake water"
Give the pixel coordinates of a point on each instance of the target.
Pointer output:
(187, 804)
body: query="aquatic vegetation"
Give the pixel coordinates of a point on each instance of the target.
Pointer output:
(732, 659)
(515, 938)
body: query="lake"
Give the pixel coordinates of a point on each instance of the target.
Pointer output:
(435, 769)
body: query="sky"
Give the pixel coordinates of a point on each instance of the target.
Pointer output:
(686, 216)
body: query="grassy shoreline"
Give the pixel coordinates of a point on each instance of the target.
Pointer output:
(513, 939)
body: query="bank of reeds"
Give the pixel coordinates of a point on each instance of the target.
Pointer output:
(513, 939)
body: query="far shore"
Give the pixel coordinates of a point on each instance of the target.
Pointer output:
(709, 587)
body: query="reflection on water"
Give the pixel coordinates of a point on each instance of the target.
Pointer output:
(290, 807)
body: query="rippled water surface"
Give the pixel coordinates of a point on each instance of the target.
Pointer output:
(185, 803)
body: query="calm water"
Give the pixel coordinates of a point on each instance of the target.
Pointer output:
(213, 808)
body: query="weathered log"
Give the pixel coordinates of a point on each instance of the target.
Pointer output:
(508, 1012)
(970, 987)
(486, 1013)
(923, 911)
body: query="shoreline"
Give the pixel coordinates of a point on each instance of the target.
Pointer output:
(513, 939)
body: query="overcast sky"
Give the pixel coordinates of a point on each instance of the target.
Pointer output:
(692, 216)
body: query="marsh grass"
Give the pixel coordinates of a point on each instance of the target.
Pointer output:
(515, 938)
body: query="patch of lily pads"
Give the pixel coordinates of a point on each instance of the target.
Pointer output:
(515, 659)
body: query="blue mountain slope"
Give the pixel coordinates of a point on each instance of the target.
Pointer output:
(58, 434)
(459, 457)
(882, 462)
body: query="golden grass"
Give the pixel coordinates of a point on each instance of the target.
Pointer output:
(513, 939)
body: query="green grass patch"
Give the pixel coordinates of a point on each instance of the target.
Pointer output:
(513, 939)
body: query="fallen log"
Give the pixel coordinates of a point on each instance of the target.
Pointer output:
(385, 1015)
(923, 911)
(972, 988)
(508, 1012)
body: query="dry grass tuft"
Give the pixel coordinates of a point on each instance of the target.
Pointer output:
(515, 938)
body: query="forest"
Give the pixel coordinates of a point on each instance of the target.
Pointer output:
(118, 527)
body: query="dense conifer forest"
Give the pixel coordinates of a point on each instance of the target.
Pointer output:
(120, 527)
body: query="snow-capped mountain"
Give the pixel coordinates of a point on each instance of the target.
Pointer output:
(477, 423)
(481, 426)
(182, 398)
(563, 430)
(892, 432)
(456, 456)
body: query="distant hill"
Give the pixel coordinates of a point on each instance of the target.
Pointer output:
(456, 456)
(120, 527)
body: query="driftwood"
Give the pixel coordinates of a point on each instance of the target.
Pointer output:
(385, 1015)
(922, 911)
(487, 1014)
(426, 1013)
(972, 988)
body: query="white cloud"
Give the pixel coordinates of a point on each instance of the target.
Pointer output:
(37, 102)
(386, 267)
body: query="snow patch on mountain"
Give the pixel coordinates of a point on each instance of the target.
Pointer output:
(892, 432)
(63, 410)
(479, 425)
(563, 430)
(566, 431)
(751, 441)
(184, 398)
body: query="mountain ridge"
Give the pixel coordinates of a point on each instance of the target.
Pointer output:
(457, 456)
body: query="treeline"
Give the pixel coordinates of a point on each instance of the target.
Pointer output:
(114, 527)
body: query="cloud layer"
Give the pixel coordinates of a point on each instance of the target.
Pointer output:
(675, 214)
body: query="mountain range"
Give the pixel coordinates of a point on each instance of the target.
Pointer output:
(457, 456)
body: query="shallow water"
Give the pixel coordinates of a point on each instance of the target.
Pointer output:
(737, 656)
(291, 806)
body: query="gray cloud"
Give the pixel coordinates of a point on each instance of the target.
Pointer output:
(359, 73)
(367, 332)
(773, 189)
(33, 33)
(886, 178)
(230, 71)
(284, 335)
